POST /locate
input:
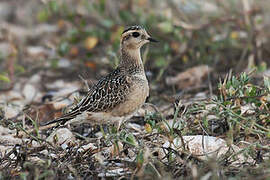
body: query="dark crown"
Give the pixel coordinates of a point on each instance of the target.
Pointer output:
(132, 28)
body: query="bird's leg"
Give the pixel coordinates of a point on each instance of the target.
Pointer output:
(102, 130)
(120, 122)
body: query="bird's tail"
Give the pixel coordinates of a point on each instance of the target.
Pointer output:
(63, 119)
(66, 117)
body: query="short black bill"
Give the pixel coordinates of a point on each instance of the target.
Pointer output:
(152, 40)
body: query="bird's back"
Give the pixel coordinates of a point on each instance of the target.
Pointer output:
(104, 96)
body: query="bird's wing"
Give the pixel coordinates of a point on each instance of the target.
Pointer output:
(102, 97)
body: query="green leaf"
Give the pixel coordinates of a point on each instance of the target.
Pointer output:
(125, 16)
(268, 134)
(54, 63)
(205, 122)
(266, 81)
(166, 27)
(225, 103)
(152, 123)
(262, 67)
(107, 23)
(4, 78)
(19, 68)
(251, 91)
(73, 35)
(63, 48)
(140, 159)
(43, 15)
(131, 140)
(114, 130)
(161, 62)
(101, 6)
(54, 6)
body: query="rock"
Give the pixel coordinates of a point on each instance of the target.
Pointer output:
(64, 87)
(13, 96)
(61, 137)
(204, 147)
(36, 51)
(11, 111)
(113, 173)
(99, 134)
(5, 49)
(5, 131)
(9, 139)
(86, 147)
(29, 92)
(36, 159)
(64, 63)
(6, 137)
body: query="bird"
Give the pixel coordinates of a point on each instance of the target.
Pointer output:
(118, 95)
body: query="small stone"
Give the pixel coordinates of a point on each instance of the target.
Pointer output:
(11, 112)
(207, 146)
(86, 147)
(64, 63)
(61, 136)
(9, 139)
(29, 92)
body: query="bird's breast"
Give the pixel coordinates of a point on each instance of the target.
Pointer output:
(139, 90)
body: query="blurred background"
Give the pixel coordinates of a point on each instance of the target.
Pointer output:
(81, 37)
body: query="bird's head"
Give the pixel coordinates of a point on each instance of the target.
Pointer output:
(134, 37)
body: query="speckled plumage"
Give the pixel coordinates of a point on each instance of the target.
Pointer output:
(132, 28)
(119, 94)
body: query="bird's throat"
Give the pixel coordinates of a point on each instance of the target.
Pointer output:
(131, 58)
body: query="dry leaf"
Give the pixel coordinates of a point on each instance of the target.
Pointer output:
(74, 51)
(11, 111)
(44, 113)
(117, 33)
(175, 45)
(148, 128)
(142, 3)
(116, 149)
(91, 65)
(191, 77)
(90, 42)
(61, 24)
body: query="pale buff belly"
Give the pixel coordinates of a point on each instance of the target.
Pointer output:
(134, 101)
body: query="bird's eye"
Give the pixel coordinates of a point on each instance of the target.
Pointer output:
(135, 34)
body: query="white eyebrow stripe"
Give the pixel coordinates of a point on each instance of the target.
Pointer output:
(130, 32)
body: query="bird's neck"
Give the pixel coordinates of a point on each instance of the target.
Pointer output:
(130, 59)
